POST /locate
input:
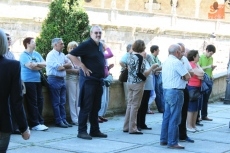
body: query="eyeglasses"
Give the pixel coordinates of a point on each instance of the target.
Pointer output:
(97, 33)
(34, 59)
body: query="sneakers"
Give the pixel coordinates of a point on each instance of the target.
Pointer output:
(39, 127)
(191, 130)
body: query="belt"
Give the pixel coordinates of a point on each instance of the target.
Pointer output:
(177, 89)
(54, 76)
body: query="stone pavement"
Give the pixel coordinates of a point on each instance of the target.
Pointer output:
(214, 137)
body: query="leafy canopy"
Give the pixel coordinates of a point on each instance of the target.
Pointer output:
(67, 20)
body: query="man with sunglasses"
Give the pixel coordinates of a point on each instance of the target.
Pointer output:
(9, 54)
(91, 81)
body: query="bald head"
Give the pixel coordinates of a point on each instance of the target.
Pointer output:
(175, 49)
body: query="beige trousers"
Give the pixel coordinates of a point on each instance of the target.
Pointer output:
(135, 93)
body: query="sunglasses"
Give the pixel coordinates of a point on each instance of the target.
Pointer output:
(8, 38)
(97, 33)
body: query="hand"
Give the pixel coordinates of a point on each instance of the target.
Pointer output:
(67, 66)
(154, 66)
(85, 70)
(26, 134)
(110, 66)
(213, 66)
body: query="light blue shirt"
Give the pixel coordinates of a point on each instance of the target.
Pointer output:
(28, 75)
(54, 59)
(149, 78)
(172, 71)
(124, 58)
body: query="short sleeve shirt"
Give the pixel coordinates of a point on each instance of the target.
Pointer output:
(206, 61)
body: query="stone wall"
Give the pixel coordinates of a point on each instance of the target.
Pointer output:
(117, 104)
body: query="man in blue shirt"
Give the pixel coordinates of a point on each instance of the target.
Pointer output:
(91, 75)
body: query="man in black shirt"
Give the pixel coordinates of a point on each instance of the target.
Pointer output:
(91, 80)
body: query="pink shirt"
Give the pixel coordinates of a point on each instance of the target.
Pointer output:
(107, 54)
(194, 80)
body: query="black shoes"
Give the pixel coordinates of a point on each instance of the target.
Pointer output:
(84, 136)
(99, 135)
(66, 123)
(61, 125)
(137, 132)
(199, 124)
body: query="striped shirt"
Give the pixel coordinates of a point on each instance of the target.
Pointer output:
(172, 71)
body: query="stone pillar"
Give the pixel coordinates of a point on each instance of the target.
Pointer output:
(173, 12)
(150, 9)
(174, 5)
(126, 4)
(113, 10)
(197, 10)
(102, 3)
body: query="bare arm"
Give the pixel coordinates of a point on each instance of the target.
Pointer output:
(150, 70)
(77, 62)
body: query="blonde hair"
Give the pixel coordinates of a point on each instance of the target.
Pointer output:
(71, 45)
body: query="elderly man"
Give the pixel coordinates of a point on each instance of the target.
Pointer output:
(91, 75)
(182, 127)
(56, 65)
(11, 88)
(173, 76)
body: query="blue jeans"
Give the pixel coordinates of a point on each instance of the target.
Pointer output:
(172, 116)
(104, 101)
(159, 93)
(4, 141)
(57, 90)
(204, 104)
(34, 101)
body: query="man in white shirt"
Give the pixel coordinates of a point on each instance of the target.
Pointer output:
(173, 76)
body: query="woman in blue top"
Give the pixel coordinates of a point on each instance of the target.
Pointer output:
(31, 62)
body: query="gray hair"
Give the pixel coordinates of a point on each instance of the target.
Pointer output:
(3, 43)
(55, 41)
(181, 44)
(173, 48)
(128, 47)
(95, 26)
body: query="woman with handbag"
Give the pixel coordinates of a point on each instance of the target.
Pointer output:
(136, 81)
(194, 85)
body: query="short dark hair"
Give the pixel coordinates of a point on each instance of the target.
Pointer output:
(153, 48)
(27, 41)
(192, 54)
(138, 46)
(211, 48)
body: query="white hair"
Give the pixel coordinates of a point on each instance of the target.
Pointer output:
(95, 26)
(55, 41)
(3, 43)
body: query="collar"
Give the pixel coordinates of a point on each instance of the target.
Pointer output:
(56, 52)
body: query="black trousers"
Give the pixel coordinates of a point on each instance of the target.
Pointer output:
(182, 126)
(143, 109)
(90, 105)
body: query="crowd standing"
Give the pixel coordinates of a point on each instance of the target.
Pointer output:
(82, 79)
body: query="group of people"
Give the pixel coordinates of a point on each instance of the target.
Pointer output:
(82, 76)
(183, 87)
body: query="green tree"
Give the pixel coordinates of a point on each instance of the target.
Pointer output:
(67, 20)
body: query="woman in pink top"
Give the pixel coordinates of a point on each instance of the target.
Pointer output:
(105, 96)
(194, 83)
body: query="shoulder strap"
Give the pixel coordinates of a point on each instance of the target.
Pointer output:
(140, 61)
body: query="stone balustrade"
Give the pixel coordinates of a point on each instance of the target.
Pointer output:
(117, 104)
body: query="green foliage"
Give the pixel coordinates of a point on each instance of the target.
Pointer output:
(67, 20)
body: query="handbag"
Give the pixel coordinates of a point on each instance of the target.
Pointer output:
(123, 77)
(194, 94)
(44, 80)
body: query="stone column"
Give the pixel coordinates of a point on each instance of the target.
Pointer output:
(173, 12)
(113, 10)
(102, 3)
(126, 4)
(197, 9)
(150, 6)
